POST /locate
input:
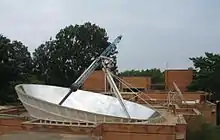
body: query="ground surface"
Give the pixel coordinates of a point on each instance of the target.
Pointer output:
(41, 136)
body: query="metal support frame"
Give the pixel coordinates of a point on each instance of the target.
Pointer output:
(175, 96)
(179, 93)
(116, 91)
(106, 62)
(82, 78)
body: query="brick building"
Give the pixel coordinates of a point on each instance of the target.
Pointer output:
(182, 78)
(96, 82)
(141, 83)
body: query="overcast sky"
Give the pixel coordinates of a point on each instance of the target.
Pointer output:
(155, 32)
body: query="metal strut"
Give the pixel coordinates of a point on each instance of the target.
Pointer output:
(116, 91)
(107, 64)
(79, 82)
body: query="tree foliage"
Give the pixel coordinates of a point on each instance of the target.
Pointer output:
(206, 74)
(156, 75)
(61, 60)
(58, 61)
(15, 67)
(199, 129)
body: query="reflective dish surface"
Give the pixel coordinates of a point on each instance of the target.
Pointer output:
(88, 101)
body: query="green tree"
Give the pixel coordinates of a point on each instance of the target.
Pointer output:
(206, 74)
(199, 129)
(61, 60)
(156, 75)
(15, 65)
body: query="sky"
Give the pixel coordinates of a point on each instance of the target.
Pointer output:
(156, 33)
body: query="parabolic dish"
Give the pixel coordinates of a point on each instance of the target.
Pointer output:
(42, 101)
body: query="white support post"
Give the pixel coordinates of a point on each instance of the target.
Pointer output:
(112, 83)
(116, 91)
(179, 93)
(105, 82)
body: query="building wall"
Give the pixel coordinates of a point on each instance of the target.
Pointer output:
(207, 109)
(140, 82)
(181, 77)
(191, 96)
(96, 82)
(122, 131)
